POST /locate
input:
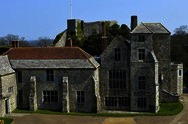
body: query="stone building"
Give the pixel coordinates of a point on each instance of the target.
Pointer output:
(80, 29)
(8, 87)
(137, 75)
(133, 75)
(56, 78)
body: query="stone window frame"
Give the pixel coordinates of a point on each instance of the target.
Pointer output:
(80, 97)
(117, 54)
(11, 89)
(118, 102)
(141, 102)
(19, 76)
(50, 96)
(141, 38)
(50, 75)
(141, 54)
(141, 82)
(117, 79)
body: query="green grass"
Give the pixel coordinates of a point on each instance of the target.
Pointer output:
(170, 108)
(6, 120)
(166, 109)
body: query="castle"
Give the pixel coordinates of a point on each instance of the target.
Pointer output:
(133, 75)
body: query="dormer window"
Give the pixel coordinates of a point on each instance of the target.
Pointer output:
(141, 38)
(117, 52)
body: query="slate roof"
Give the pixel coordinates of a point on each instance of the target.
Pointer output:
(5, 67)
(151, 28)
(50, 57)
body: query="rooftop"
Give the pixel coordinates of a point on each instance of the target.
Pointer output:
(37, 53)
(50, 57)
(5, 67)
(151, 28)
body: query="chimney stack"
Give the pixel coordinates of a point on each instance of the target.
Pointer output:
(68, 42)
(15, 44)
(134, 22)
(104, 37)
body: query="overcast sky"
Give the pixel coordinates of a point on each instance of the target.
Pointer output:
(34, 18)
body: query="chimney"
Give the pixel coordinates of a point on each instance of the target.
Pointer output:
(15, 44)
(133, 22)
(68, 42)
(104, 37)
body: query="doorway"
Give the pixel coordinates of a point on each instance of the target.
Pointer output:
(6, 106)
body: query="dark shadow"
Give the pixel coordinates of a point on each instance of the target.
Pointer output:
(185, 90)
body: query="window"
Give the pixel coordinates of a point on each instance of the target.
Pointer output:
(141, 102)
(117, 52)
(10, 89)
(50, 96)
(50, 75)
(80, 97)
(123, 101)
(20, 96)
(179, 73)
(141, 38)
(110, 101)
(117, 102)
(19, 77)
(117, 79)
(141, 54)
(141, 82)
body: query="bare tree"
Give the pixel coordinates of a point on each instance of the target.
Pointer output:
(44, 42)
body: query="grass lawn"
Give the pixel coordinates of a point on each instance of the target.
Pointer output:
(6, 120)
(170, 108)
(166, 109)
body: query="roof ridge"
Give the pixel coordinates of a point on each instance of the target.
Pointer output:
(84, 53)
(88, 58)
(165, 28)
(6, 52)
(147, 28)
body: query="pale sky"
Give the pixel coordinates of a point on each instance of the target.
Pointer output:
(46, 18)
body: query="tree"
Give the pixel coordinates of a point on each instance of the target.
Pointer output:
(179, 48)
(7, 40)
(44, 42)
(92, 44)
(125, 31)
(182, 30)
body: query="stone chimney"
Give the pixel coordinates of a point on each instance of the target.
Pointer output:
(68, 42)
(15, 44)
(104, 37)
(134, 22)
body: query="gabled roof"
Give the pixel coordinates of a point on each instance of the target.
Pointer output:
(36, 53)
(50, 57)
(5, 67)
(151, 28)
(117, 39)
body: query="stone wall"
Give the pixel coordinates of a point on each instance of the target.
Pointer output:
(176, 78)
(166, 96)
(79, 80)
(108, 63)
(89, 27)
(147, 68)
(6, 82)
